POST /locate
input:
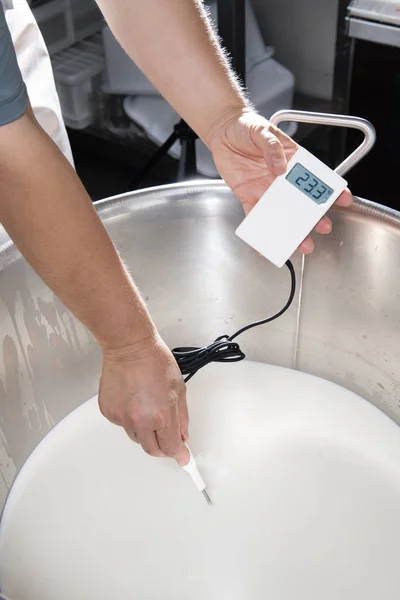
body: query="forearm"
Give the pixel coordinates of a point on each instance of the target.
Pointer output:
(46, 211)
(174, 45)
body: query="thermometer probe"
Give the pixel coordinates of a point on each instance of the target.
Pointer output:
(276, 226)
(194, 473)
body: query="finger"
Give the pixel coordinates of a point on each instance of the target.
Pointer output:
(149, 442)
(274, 154)
(183, 414)
(307, 246)
(170, 439)
(132, 435)
(345, 198)
(108, 413)
(324, 225)
(183, 456)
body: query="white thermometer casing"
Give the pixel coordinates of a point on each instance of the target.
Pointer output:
(291, 207)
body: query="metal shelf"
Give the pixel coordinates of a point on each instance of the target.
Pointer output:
(376, 10)
(379, 33)
(375, 21)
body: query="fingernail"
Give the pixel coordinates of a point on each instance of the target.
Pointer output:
(183, 458)
(279, 165)
(307, 245)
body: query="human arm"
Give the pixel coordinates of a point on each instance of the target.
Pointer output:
(174, 44)
(46, 211)
(48, 214)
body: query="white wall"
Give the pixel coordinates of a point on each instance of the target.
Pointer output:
(303, 33)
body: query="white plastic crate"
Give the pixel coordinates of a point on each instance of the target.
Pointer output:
(65, 22)
(87, 18)
(55, 22)
(78, 72)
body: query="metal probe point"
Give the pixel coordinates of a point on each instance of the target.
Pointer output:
(207, 497)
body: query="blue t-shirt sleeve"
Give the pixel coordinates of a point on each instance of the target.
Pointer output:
(13, 94)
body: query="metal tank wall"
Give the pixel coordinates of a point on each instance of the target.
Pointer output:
(200, 281)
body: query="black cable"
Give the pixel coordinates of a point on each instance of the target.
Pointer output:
(224, 349)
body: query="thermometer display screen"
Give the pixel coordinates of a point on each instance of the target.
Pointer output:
(309, 184)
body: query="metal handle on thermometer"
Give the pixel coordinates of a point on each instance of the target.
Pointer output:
(194, 473)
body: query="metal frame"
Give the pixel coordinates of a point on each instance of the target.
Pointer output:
(342, 79)
(232, 30)
(343, 62)
(349, 30)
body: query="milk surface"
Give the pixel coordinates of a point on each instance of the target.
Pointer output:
(304, 477)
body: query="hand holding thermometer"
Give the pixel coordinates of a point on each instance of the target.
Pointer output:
(194, 473)
(291, 207)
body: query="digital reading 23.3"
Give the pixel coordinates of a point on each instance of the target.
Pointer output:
(310, 185)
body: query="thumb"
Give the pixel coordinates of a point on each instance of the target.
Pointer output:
(273, 152)
(183, 415)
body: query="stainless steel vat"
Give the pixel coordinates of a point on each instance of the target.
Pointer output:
(200, 281)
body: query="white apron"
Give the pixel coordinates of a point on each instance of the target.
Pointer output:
(35, 65)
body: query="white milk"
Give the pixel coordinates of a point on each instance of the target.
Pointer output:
(305, 480)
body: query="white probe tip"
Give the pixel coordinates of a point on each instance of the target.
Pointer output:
(193, 471)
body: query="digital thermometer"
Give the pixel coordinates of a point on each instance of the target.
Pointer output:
(291, 207)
